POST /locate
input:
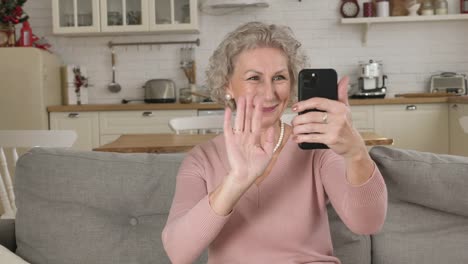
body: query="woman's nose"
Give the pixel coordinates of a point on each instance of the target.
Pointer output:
(267, 90)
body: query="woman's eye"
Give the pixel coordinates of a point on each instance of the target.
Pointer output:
(279, 77)
(253, 78)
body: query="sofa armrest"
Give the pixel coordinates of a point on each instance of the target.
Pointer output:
(7, 234)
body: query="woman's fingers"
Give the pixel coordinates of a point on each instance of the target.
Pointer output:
(257, 118)
(227, 123)
(343, 90)
(240, 114)
(311, 128)
(248, 114)
(313, 117)
(269, 141)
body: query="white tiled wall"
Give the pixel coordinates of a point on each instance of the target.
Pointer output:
(411, 52)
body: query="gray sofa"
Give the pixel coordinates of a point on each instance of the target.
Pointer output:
(92, 207)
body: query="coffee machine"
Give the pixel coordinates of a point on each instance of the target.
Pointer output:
(371, 81)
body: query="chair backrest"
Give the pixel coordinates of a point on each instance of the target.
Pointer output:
(13, 139)
(193, 123)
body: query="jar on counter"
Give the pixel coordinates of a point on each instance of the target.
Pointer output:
(383, 8)
(427, 8)
(185, 96)
(441, 7)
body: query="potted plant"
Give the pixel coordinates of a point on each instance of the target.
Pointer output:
(11, 13)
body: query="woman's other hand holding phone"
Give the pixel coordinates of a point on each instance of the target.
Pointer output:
(332, 127)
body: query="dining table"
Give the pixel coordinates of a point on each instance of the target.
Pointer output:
(173, 143)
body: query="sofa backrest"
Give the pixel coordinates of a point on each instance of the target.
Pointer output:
(93, 207)
(427, 217)
(97, 207)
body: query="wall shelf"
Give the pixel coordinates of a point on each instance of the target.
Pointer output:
(368, 21)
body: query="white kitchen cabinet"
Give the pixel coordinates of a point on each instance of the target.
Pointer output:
(422, 127)
(363, 117)
(115, 123)
(124, 15)
(75, 16)
(458, 125)
(173, 15)
(86, 125)
(81, 17)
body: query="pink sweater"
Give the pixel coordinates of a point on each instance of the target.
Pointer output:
(283, 220)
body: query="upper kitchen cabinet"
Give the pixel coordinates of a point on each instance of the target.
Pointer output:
(81, 17)
(75, 16)
(124, 15)
(173, 15)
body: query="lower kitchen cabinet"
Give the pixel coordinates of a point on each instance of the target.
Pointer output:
(363, 117)
(95, 129)
(458, 131)
(422, 127)
(85, 124)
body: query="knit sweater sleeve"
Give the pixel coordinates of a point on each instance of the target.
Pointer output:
(362, 208)
(191, 224)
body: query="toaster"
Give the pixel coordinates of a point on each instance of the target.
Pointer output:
(448, 82)
(160, 91)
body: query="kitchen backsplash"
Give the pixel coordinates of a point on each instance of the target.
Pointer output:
(410, 52)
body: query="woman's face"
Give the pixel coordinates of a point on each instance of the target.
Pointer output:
(264, 72)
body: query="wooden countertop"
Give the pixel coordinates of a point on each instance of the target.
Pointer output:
(178, 106)
(170, 143)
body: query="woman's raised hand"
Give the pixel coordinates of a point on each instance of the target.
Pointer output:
(248, 156)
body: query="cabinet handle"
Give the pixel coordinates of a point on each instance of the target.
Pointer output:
(73, 115)
(454, 106)
(147, 114)
(411, 108)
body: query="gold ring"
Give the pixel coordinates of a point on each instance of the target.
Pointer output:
(325, 118)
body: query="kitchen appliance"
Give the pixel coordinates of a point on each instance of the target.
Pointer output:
(160, 91)
(29, 83)
(371, 81)
(449, 82)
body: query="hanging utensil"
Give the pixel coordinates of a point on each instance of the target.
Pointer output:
(113, 86)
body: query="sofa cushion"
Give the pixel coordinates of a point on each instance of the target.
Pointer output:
(93, 207)
(427, 217)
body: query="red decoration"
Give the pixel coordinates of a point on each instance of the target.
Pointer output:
(11, 12)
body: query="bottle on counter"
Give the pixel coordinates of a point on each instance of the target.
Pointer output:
(26, 35)
(383, 8)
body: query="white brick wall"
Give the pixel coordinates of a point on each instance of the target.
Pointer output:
(411, 52)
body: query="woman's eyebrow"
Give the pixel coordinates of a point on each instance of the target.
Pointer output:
(257, 72)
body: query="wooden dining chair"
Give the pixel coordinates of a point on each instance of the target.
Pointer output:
(15, 139)
(192, 124)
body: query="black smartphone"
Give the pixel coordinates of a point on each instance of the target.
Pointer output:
(317, 83)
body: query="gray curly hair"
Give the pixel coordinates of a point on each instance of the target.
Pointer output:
(246, 37)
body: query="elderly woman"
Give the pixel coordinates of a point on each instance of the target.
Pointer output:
(252, 195)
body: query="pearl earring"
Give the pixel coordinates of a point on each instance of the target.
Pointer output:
(228, 97)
